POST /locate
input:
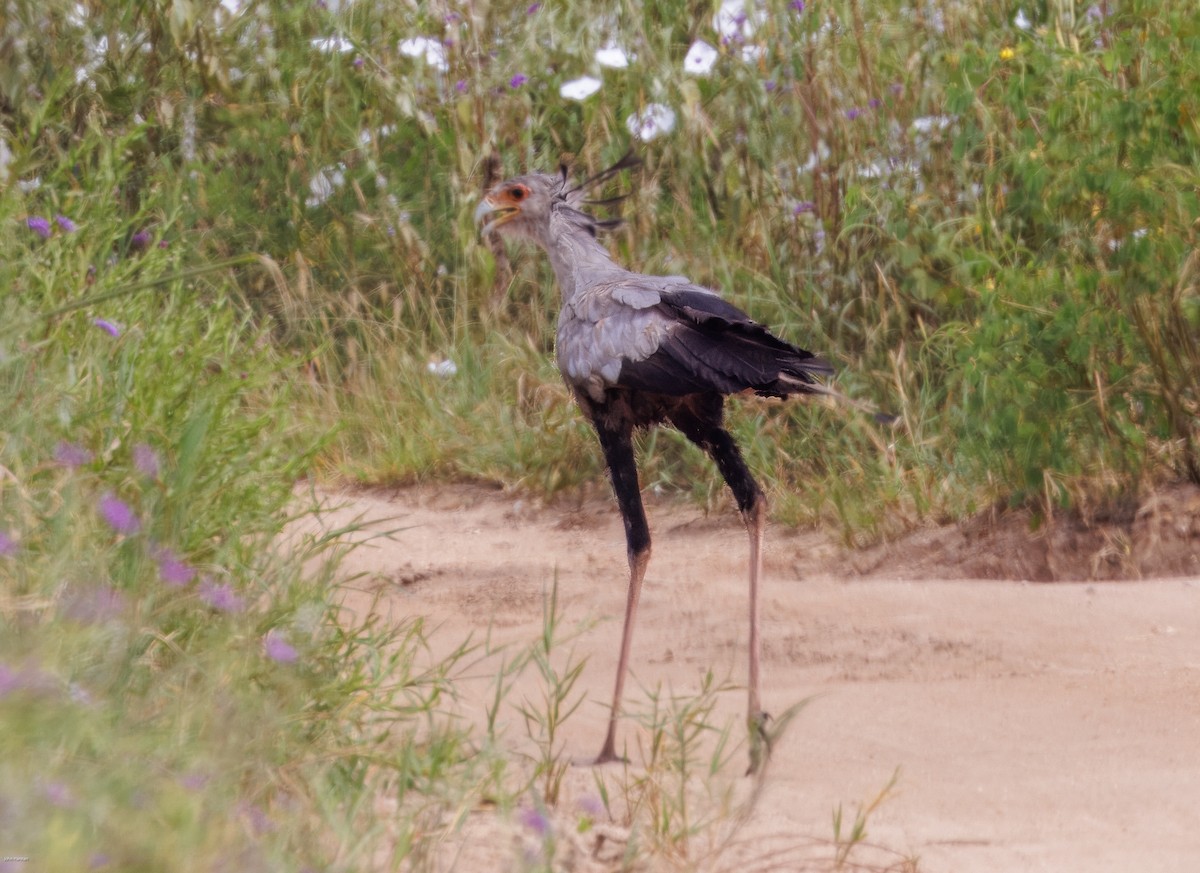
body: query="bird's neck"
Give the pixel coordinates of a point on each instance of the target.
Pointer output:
(578, 259)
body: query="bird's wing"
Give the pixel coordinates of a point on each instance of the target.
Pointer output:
(603, 326)
(668, 336)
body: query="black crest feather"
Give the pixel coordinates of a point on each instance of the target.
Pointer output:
(574, 197)
(625, 162)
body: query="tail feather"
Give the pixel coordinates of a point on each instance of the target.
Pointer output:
(879, 417)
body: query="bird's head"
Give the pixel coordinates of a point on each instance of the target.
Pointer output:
(519, 206)
(525, 205)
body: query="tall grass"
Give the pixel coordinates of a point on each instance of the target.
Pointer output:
(984, 218)
(238, 252)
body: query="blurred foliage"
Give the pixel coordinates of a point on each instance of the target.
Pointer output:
(984, 212)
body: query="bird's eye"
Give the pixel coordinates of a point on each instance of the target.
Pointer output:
(519, 192)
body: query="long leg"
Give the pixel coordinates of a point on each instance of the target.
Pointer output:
(704, 427)
(622, 468)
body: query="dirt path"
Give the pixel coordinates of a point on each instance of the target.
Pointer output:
(1035, 727)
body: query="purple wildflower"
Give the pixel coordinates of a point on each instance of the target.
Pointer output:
(461, 86)
(220, 597)
(590, 805)
(532, 8)
(139, 240)
(59, 793)
(118, 514)
(804, 206)
(896, 88)
(798, 5)
(194, 781)
(172, 569)
(71, 454)
(27, 678)
(358, 63)
(10, 680)
(256, 818)
(145, 459)
(8, 546)
(94, 605)
(162, 243)
(38, 225)
(64, 223)
(853, 113)
(874, 102)
(518, 80)
(110, 328)
(279, 649)
(536, 821)
(769, 84)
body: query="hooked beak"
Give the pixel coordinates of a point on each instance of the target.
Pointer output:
(492, 216)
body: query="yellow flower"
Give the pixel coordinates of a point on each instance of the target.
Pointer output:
(1007, 54)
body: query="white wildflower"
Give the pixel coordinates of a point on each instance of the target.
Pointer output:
(700, 58)
(612, 55)
(929, 123)
(888, 167)
(580, 89)
(330, 44)
(431, 50)
(733, 21)
(324, 183)
(935, 17)
(815, 158)
(652, 122)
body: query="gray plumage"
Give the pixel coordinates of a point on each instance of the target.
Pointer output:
(640, 350)
(655, 333)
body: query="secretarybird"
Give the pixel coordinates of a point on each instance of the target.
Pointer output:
(638, 351)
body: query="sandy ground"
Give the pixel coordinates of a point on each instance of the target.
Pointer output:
(1034, 727)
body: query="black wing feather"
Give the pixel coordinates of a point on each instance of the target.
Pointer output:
(718, 348)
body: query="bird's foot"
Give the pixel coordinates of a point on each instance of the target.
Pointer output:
(760, 742)
(608, 759)
(607, 756)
